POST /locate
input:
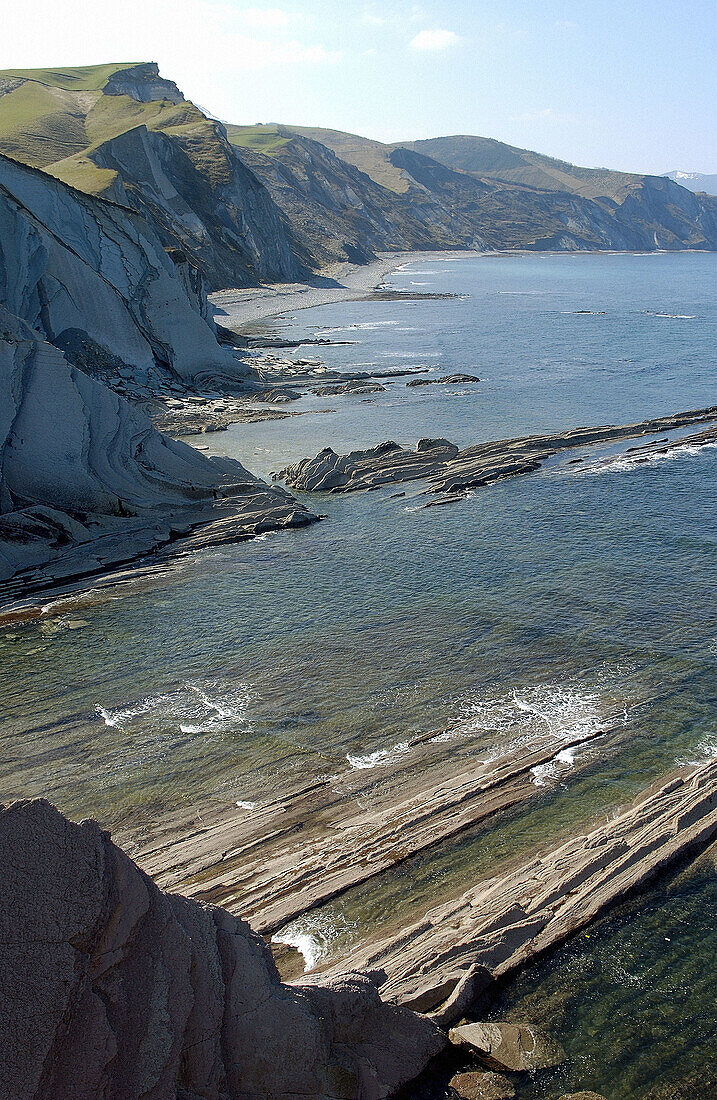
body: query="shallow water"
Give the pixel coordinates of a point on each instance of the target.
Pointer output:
(553, 598)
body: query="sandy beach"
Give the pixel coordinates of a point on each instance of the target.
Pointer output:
(238, 308)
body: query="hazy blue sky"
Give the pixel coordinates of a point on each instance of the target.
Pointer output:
(621, 83)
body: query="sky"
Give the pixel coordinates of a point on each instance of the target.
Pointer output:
(628, 84)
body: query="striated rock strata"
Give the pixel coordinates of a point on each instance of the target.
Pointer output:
(115, 989)
(452, 473)
(94, 279)
(298, 851)
(86, 481)
(444, 961)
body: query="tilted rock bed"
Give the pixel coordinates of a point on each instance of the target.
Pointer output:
(456, 951)
(296, 852)
(451, 473)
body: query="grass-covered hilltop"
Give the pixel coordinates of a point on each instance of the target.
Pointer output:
(271, 202)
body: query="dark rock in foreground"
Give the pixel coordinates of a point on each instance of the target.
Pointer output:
(114, 989)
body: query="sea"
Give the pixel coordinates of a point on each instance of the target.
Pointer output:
(545, 601)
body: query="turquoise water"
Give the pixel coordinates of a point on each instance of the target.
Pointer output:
(573, 591)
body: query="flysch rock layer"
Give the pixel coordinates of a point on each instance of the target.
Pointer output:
(113, 989)
(451, 473)
(93, 278)
(289, 855)
(443, 962)
(86, 481)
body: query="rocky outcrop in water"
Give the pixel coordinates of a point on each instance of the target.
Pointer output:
(453, 954)
(114, 989)
(299, 850)
(482, 1086)
(451, 473)
(509, 1047)
(448, 380)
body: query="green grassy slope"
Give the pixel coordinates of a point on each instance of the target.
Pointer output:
(56, 126)
(262, 138)
(487, 158)
(483, 158)
(91, 78)
(371, 157)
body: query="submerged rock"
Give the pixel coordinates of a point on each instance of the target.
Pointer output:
(482, 1086)
(509, 1046)
(583, 1096)
(354, 385)
(112, 988)
(449, 380)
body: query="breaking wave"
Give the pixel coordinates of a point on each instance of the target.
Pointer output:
(380, 759)
(625, 462)
(315, 936)
(195, 707)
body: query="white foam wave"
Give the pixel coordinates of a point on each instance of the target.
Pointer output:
(380, 759)
(543, 774)
(673, 316)
(627, 463)
(527, 714)
(704, 751)
(195, 707)
(314, 936)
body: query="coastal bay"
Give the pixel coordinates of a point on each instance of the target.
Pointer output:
(260, 660)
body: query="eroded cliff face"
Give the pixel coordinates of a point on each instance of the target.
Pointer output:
(201, 198)
(72, 265)
(337, 212)
(86, 481)
(115, 989)
(130, 136)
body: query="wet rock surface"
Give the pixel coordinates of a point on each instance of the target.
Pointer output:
(582, 1096)
(509, 1046)
(482, 1086)
(449, 380)
(355, 386)
(452, 955)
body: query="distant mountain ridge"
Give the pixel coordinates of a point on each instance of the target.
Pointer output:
(480, 193)
(695, 181)
(249, 204)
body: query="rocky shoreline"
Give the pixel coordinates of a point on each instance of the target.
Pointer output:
(186, 995)
(293, 854)
(449, 958)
